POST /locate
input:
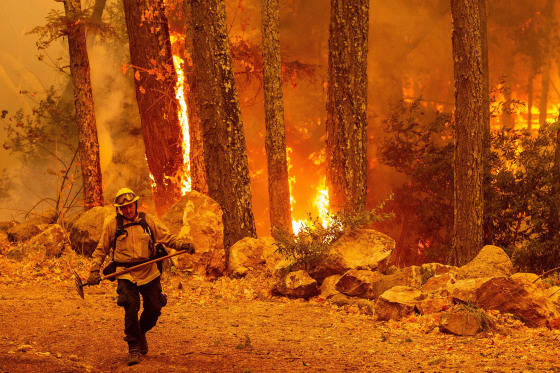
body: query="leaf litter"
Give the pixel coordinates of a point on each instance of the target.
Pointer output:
(236, 325)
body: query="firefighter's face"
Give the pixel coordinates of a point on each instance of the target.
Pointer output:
(129, 211)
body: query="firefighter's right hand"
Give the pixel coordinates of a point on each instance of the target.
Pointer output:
(94, 278)
(188, 247)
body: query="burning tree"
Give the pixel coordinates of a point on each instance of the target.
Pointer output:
(155, 78)
(346, 142)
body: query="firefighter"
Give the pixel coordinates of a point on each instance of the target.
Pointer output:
(129, 239)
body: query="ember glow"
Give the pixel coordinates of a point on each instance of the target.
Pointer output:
(183, 118)
(321, 201)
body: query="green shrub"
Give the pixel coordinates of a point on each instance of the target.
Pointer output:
(311, 245)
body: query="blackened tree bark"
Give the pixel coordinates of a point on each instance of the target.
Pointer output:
(155, 79)
(225, 155)
(469, 123)
(198, 170)
(548, 13)
(346, 142)
(88, 143)
(275, 140)
(486, 140)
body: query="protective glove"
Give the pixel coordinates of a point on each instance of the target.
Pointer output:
(94, 278)
(188, 247)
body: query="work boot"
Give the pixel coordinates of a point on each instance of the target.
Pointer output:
(133, 356)
(143, 345)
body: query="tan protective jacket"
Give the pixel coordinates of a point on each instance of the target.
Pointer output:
(134, 247)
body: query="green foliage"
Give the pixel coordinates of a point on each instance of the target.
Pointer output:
(46, 139)
(43, 133)
(420, 145)
(311, 245)
(522, 185)
(484, 320)
(523, 209)
(58, 25)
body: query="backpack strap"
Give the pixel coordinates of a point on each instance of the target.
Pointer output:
(119, 231)
(121, 228)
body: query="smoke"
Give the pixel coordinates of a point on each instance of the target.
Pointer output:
(21, 70)
(121, 151)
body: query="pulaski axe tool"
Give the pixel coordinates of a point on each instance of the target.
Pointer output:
(80, 285)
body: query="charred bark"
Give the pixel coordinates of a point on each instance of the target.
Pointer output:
(486, 140)
(548, 12)
(225, 156)
(346, 143)
(469, 133)
(88, 143)
(198, 170)
(155, 78)
(275, 141)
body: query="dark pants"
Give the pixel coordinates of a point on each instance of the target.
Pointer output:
(129, 299)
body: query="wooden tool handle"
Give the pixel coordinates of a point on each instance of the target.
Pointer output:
(142, 265)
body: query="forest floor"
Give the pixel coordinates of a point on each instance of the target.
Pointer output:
(235, 325)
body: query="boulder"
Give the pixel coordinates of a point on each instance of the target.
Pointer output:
(85, 230)
(464, 291)
(398, 302)
(51, 243)
(341, 300)
(439, 284)
(553, 294)
(491, 261)
(513, 296)
(361, 283)
(364, 249)
(530, 279)
(20, 232)
(416, 276)
(17, 254)
(253, 253)
(365, 306)
(297, 284)
(460, 322)
(434, 304)
(197, 218)
(328, 287)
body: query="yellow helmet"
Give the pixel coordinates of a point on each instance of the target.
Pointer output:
(124, 197)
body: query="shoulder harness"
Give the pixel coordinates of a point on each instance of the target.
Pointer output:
(121, 228)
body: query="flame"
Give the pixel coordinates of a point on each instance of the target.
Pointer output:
(183, 117)
(423, 246)
(321, 201)
(297, 225)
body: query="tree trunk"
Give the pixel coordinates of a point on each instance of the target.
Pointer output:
(98, 8)
(545, 85)
(155, 79)
(66, 99)
(225, 156)
(548, 12)
(530, 102)
(275, 142)
(486, 140)
(469, 132)
(346, 142)
(88, 144)
(198, 170)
